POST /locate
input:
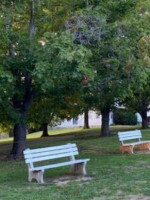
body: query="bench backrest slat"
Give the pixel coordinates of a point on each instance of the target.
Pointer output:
(50, 153)
(29, 160)
(129, 135)
(42, 154)
(49, 148)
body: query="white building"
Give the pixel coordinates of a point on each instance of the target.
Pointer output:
(94, 120)
(139, 118)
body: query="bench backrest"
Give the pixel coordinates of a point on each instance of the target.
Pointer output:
(129, 135)
(49, 153)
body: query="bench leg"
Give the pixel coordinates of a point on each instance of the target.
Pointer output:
(79, 169)
(127, 148)
(37, 175)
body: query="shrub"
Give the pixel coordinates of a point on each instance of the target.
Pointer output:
(124, 117)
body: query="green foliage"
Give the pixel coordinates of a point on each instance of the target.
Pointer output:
(124, 117)
(61, 61)
(44, 110)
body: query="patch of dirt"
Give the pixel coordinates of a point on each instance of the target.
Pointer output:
(104, 191)
(142, 152)
(137, 197)
(130, 197)
(106, 198)
(65, 180)
(140, 182)
(119, 193)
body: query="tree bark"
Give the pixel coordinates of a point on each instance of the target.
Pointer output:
(105, 122)
(144, 120)
(86, 119)
(45, 130)
(19, 143)
(20, 127)
(11, 133)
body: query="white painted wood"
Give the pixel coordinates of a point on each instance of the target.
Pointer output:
(60, 164)
(49, 148)
(38, 155)
(38, 159)
(131, 135)
(49, 153)
(129, 138)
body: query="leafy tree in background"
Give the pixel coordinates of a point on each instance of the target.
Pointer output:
(93, 29)
(124, 117)
(44, 113)
(26, 60)
(137, 31)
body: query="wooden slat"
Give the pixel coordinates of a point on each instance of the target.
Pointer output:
(59, 164)
(49, 153)
(32, 160)
(129, 135)
(134, 134)
(29, 151)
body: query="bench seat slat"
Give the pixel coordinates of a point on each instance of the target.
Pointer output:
(136, 143)
(27, 151)
(49, 153)
(60, 164)
(32, 160)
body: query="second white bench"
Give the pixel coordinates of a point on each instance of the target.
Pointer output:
(129, 139)
(33, 156)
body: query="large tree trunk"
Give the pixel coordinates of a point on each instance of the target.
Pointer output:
(19, 143)
(20, 127)
(86, 119)
(144, 120)
(45, 130)
(105, 122)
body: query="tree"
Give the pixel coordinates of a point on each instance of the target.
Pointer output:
(22, 60)
(94, 30)
(136, 28)
(44, 112)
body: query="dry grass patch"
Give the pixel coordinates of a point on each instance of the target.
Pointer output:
(137, 197)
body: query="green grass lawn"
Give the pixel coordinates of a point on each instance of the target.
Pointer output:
(68, 131)
(115, 176)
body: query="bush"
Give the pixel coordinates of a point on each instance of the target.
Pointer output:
(124, 117)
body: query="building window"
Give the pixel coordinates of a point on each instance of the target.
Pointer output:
(75, 120)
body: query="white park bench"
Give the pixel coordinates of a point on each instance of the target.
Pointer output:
(33, 156)
(130, 139)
